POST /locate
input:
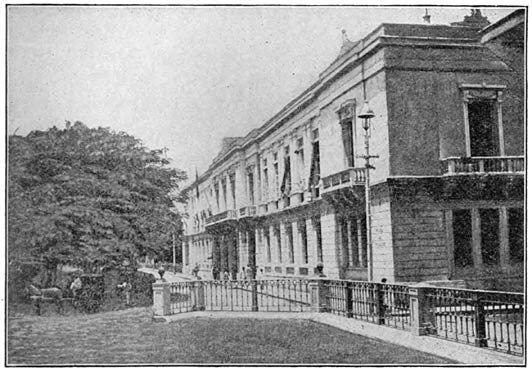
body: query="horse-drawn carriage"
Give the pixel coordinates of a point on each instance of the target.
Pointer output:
(85, 293)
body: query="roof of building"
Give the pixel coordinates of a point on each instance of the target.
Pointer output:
(466, 33)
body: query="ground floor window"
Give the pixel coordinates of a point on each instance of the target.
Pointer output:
(319, 246)
(304, 242)
(277, 233)
(478, 238)
(353, 241)
(268, 245)
(463, 240)
(290, 241)
(516, 225)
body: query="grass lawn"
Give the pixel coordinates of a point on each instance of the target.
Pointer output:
(130, 337)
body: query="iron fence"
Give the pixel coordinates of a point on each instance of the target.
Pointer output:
(383, 304)
(481, 318)
(241, 295)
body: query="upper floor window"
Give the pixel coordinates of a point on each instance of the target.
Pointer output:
(224, 191)
(300, 161)
(314, 177)
(286, 183)
(251, 185)
(232, 188)
(483, 120)
(346, 116)
(265, 181)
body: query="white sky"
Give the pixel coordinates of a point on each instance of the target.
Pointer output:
(178, 77)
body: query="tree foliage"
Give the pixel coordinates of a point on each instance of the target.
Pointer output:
(88, 197)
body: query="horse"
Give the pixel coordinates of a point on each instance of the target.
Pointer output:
(52, 294)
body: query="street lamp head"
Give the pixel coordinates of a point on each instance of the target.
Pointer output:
(366, 112)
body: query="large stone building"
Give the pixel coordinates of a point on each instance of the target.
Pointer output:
(447, 190)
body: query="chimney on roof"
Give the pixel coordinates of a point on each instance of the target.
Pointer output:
(426, 17)
(475, 19)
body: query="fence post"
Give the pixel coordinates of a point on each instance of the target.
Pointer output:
(421, 314)
(348, 300)
(318, 295)
(199, 296)
(480, 321)
(161, 298)
(254, 296)
(381, 308)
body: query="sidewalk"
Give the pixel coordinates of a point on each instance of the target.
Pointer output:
(168, 275)
(462, 353)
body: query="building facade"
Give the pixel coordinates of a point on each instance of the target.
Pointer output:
(446, 192)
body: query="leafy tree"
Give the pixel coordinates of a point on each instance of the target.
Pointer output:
(88, 197)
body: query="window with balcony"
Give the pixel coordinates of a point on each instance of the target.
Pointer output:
(300, 162)
(217, 195)
(483, 120)
(265, 180)
(232, 187)
(346, 115)
(286, 183)
(224, 192)
(251, 187)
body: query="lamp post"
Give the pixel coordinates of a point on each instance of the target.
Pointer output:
(366, 114)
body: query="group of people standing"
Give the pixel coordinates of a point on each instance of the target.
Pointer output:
(245, 274)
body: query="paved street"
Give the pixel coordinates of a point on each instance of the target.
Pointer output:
(168, 275)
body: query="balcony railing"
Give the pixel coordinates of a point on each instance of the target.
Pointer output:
(345, 178)
(247, 211)
(223, 216)
(471, 165)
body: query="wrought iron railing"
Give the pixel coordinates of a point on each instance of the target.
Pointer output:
(224, 215)
(345, 178)
(470, 165)
(241, 295)
(487, 319)
(482, 318)
(247, 211)
(383, 304)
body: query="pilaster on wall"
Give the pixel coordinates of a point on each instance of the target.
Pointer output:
(382, 242)
(312, 243)
(330, 243)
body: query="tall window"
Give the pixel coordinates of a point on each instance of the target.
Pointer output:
(300, 161)
(217, 194)
(483, 120)
(265, 181)
(483, 128)
(304, 242)
(319, 247)
(224, 191)
(314, 177)
(279, 246)
(489, 236)
(346, 115)
(276, 174)
(290, 240)
(516, 223)
(268, 245)
(233, 189)
(463, 251)
(251, 187)
(287, 175)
